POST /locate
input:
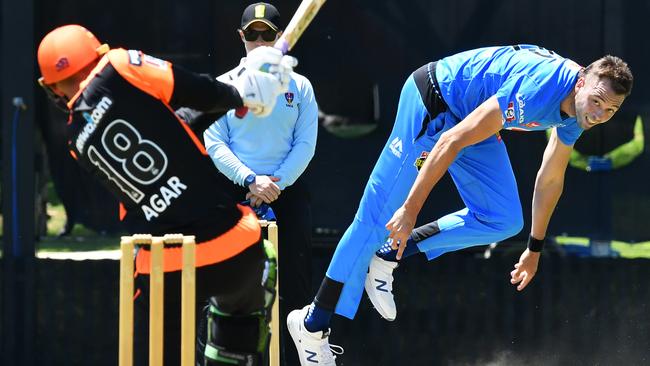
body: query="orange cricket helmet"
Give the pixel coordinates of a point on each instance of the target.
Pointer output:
(67, 50)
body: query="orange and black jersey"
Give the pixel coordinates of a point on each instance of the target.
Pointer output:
(124, 131)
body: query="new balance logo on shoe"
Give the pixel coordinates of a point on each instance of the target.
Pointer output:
(311, 356)
(381, 286)
(313, 348)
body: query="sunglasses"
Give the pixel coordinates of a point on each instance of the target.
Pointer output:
(252, 35)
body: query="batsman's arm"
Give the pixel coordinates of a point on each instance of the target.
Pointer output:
(203, 93)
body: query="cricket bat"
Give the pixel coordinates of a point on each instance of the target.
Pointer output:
(299, 22)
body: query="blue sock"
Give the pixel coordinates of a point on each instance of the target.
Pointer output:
(387, 253)
(317, 318)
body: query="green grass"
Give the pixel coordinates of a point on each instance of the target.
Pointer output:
(81, 238)
(78, 243)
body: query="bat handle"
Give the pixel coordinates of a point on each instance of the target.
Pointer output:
(282, 44)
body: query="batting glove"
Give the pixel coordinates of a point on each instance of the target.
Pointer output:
(258, 90)
(271, 60)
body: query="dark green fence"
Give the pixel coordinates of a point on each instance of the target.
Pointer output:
(457, 310)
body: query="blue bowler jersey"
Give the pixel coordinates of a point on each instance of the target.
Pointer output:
(529, 81)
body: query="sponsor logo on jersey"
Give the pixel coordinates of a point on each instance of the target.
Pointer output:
(159, 202)
(521, 104)
(289, 97)
(510, 112)
(525, 126)
(420, 161)
(517, 129)
(93, 118)
(161, 64)
(396, 147)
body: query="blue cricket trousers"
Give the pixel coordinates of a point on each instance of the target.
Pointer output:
(482, 174)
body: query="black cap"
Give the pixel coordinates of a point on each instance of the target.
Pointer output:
(261, 12)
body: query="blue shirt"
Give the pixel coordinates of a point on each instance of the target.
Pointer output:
(281, 144)
(529, 82)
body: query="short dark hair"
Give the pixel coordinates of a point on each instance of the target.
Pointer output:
(615, 70)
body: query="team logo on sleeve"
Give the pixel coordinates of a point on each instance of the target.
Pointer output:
(395, 147)
(289, 97)
(510, 112)
(420, 161)
(134, 57)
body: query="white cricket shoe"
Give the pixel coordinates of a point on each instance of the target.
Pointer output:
(379, 287)
(313, 348)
